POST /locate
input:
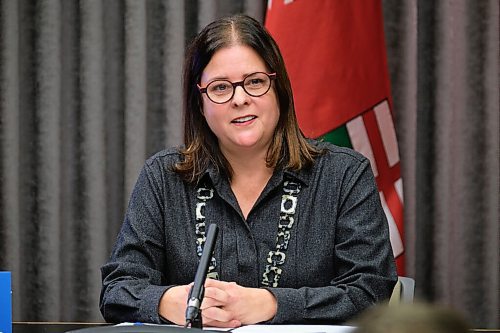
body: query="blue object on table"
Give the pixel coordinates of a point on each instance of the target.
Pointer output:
(5, 303)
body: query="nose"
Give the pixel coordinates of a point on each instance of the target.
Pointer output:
(240, 96)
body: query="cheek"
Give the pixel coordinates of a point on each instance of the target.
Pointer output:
(207, 111)
(212, 116)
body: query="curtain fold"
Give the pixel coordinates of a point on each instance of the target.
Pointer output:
(174, 44)
(91, 229)
(44, 230)
(136, 101)
(10, 209)
(89, 89)
(114, 106)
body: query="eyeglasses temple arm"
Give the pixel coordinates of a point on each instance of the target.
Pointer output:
(202, 90)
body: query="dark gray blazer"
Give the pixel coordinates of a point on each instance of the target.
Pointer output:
(338, 262)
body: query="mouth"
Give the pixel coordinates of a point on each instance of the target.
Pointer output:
(243, 120)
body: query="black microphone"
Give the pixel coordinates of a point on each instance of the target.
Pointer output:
(193, 311)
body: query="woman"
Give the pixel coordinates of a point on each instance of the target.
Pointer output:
(303, 237)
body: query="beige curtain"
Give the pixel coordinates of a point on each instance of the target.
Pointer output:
(90, 88)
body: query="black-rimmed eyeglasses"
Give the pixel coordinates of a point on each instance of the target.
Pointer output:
(222, 91)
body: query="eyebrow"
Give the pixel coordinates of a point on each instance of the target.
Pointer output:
(218, 78)
(242, 77)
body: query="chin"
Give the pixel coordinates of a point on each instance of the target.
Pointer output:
(247, 144)
(250, 141)
(247, 141)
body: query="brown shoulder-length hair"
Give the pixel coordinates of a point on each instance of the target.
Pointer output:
(288, 147)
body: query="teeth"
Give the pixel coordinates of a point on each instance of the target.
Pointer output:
(244, 119)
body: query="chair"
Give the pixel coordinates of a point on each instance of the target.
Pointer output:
(403, 292)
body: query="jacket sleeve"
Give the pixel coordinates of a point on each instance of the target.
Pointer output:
(365, 270)
(132, 277)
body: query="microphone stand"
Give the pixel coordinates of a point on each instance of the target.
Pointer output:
(193, 310)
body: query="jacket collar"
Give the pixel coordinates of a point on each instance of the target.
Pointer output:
(304, 175)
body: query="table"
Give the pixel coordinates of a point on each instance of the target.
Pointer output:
(61, 327)
(50, 327)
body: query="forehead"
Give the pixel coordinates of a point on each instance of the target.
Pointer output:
(233, 62)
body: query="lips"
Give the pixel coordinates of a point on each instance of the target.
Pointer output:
(242, 120)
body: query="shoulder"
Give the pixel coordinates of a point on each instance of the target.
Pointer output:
(337, 156)
(162, 162)
(334, 165)
(165, 157)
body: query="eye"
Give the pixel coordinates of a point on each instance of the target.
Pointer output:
(219, 87)
(256, 81)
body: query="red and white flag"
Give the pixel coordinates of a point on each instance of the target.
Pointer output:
(336, 58)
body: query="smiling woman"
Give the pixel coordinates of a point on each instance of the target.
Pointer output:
(244, 121)
(303, 236)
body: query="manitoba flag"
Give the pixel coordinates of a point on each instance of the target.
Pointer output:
(335, 55)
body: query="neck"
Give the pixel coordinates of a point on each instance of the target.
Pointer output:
(246, 164)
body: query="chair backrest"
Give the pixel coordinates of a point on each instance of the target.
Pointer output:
(404, 291)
